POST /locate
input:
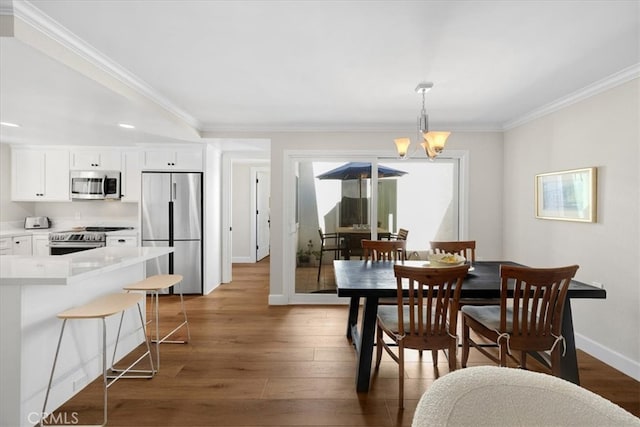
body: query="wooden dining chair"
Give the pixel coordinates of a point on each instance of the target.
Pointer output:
(425, 320)
(465, 248)
(530, 321)
(384, 250)
(329, 242)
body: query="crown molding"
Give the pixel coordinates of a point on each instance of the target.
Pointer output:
(343, 128)
(623, 76)
(46, 25)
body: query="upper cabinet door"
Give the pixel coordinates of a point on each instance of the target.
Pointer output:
(27, 175)
(173, 160)
(131, 177)
(56, 176)
(39, 175)
(95, 160)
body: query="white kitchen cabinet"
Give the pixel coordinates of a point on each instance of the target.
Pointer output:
(39, 175)
(178, 159)
(131, 176)
(21, 245)
(123, 241)
(5, 246)
(40, 243)
(95, 160)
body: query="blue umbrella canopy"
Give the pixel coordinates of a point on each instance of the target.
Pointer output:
(359, 170)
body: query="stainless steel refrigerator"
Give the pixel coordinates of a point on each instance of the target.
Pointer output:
(172, 216)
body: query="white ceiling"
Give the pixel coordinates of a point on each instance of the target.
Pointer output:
(184, 70)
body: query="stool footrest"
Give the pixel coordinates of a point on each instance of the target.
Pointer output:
(164, 339)
(123, 373)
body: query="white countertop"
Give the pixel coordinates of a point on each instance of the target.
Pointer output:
(74, 267)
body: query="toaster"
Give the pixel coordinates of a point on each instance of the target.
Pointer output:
(32, 222)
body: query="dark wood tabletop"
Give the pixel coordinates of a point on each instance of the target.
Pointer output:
(362, 279)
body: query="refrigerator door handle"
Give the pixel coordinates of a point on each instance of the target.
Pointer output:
(170, 224)
(175, 191)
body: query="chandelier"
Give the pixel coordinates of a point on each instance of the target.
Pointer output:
(432, 141)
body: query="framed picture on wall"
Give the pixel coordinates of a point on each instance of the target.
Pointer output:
(567, 195)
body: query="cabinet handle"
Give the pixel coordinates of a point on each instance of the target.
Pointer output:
(121, 240)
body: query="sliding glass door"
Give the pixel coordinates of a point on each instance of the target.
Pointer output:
(341, 199)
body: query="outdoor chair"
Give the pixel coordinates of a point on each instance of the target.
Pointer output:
(329, 242)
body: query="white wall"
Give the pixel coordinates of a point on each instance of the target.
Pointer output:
(485, 188)
(212, 219)
(601, 131)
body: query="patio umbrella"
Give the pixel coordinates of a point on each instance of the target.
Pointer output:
(359, 171)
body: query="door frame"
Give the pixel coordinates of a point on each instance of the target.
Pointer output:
(289, 201)
(262, 158)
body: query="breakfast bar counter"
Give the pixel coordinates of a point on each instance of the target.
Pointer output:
(72, 268)
(33, 290)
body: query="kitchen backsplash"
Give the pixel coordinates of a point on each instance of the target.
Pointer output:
(75, 214)
(87, 210)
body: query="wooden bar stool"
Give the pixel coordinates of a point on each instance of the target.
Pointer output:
(154, 285)
(101, 308)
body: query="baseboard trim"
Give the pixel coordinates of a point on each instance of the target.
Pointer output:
(278, 299)
(242, 260)
(612, 358)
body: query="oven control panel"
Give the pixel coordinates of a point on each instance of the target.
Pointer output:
(87, 236)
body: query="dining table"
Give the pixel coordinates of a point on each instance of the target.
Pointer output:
(371, 281)
(352, 237)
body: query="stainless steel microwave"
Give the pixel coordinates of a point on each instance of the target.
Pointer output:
(95, 185)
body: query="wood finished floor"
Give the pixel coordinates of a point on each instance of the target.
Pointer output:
(249, 364)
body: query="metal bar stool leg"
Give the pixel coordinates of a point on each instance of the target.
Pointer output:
(153, 285)
(104, 376)
(122, 372)
(185, 322)
(53, 368)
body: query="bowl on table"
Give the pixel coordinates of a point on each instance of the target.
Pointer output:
(446, 260)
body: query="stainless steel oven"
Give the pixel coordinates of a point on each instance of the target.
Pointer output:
(67, 242)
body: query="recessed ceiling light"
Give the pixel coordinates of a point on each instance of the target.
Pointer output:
(126, 126)
(11, 125)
